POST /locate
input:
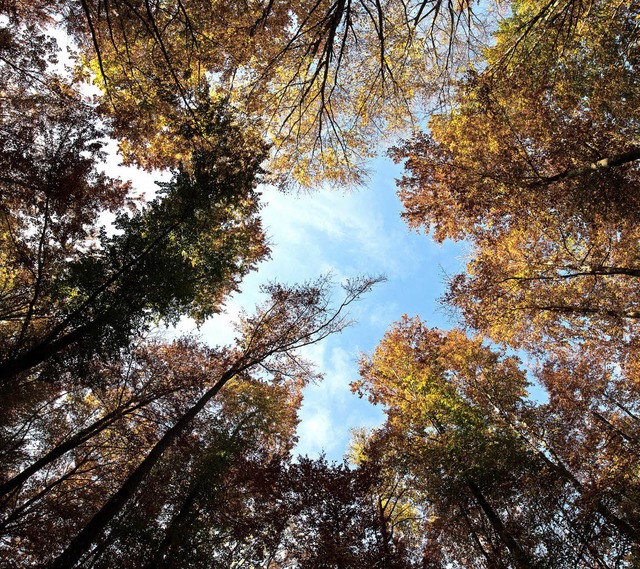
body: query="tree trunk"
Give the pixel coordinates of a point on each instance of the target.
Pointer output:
(90, 533)
(520, 557)
(172, 535)
(42, 352)
(602, 164)
(82, 436)
(624, 527)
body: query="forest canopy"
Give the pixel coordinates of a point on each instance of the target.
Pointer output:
(517, 127)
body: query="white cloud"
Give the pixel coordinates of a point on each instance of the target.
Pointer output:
(330, 410)
(317, 432)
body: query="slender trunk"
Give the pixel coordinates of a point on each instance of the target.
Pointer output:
(90, 533)
(520, 557)
(623, 408)
(564, 473)
(474, 534)
(17, 512)
(624, 527)
(534, 442)
(43, 351)
(613, 428)
(172, 534)
(383, 520)
(38, 284)
(57, 340)
(82, 436)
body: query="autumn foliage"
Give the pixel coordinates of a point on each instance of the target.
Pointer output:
(511, 440)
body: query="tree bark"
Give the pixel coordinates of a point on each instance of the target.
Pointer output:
(520, 557)
(82, 436)
(602, 164)
(172, 534)
(42, 352)
(90, 533)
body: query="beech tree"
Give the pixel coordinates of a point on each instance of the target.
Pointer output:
(409, 375)
(594, 401)
(295, 317)
(118, 395)
(338, 519)
(51, 188)
(181, 254)
(535, 165)
(78, 444)
(326, 78)
(549, 278)
(555, 130)
(491, 477)
(250, 422)
(218, 488)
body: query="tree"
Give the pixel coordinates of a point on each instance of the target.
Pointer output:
(52, 190)
(213, 499)
(551, 280)
(116, 396)
(250, 424)
(337, 519)
(555, 129)
(486, 475)
(594, 401)
(433, 408)
(82, 441)
(535, 165)
(326, 77)
(181, 254)
(294, 318)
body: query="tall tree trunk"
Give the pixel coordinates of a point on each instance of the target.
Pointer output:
(623, 434)
(625, 528)
(474, 534)
(80, 437)
(42, 352)
(90, 533)
(172, 535)
(520, 557)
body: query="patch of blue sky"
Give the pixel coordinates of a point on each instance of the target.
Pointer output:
(347, 234)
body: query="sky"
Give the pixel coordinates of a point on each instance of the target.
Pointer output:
(349, 234)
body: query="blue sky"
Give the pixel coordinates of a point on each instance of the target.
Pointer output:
(347, 233)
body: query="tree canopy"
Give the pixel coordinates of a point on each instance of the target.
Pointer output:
(121, 448)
